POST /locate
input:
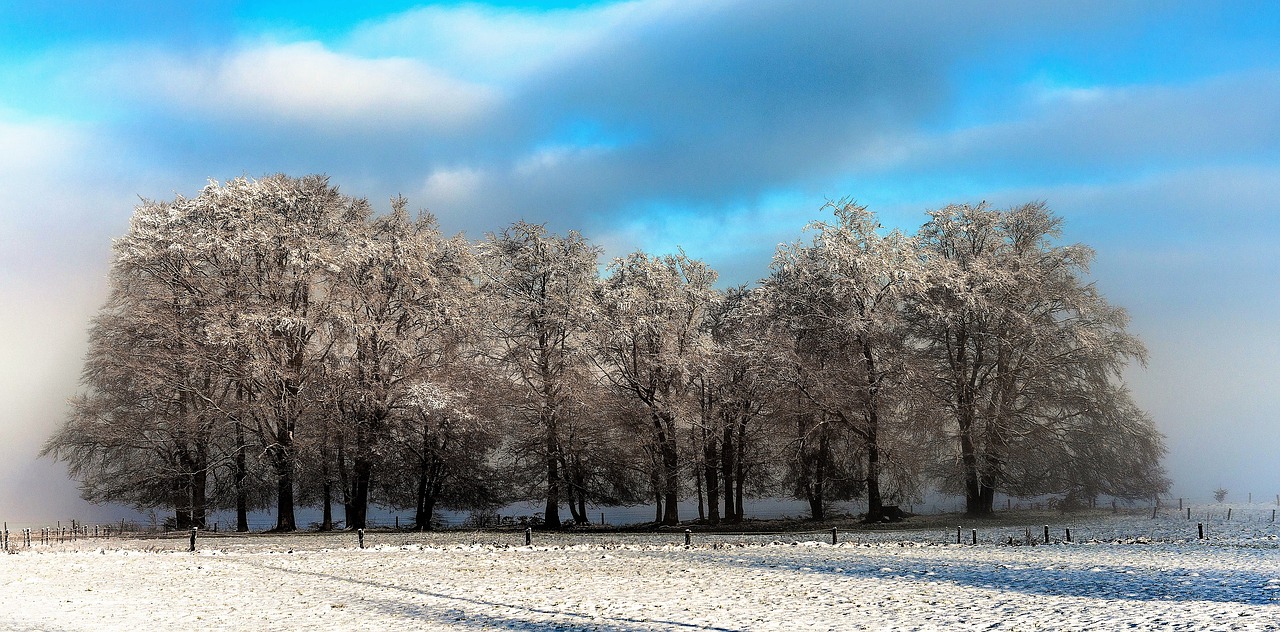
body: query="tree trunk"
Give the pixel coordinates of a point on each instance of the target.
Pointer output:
(697, 489)
(357, 514)
(575, 482)
(199, 481)
(655, 483)
(727, 454)
(551, 512)
(284, 499)
(181, 490)
(665, 426)
(817, 502)
(199, 496)
(421, 519)
(282, 460)
(326, 519)
(740, 472)
(875, 503)
(871, 436)
(710, 458)
(973, 504)
(344, 483)
(242, 473)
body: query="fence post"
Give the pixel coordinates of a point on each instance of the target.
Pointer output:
(688, 538)
(360, 537)
(957, 535)
(193, 539)
(1188, 513)
(975, 536)
(1201, 527)
(1046, 534)
(1228, 514)
(528, 536)
(1179, 504)
(602, 523)
(1273, 515)
(1154, 510)
(834, 540)
(1068, 535)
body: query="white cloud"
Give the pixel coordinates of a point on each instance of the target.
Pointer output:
(451, 186)
(308, 83)
(495, 43)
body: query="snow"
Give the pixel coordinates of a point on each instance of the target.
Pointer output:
(1133, 573)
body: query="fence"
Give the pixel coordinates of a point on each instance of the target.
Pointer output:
(1162, 520)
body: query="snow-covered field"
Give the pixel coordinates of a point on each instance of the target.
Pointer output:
(1128, 572)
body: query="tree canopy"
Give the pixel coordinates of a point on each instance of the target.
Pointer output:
(275, 342)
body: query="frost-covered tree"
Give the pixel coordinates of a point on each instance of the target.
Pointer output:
(651, 341)
(224, 298)
(1026, 356)
(439, 451)
(400, 305)
(838, 302)
(290, 234)
(536, 291)
(733, 394)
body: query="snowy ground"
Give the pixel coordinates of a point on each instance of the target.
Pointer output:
(1130, 572)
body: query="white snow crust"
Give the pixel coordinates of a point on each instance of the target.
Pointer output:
(1127, 573)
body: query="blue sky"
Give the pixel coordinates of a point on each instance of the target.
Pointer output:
(1153, 128)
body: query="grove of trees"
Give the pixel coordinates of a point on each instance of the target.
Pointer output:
(273, 343)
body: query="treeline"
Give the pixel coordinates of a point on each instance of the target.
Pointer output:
(273, 341)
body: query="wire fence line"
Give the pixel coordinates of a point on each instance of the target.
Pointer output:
(1161, 520)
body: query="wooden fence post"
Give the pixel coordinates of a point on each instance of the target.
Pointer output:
(688, 538)
(1228, 514)
(834, 540)
(1068, 535)
(360, 537)
(193, 539)
(1201, 527)
(975, 536)
(957, 535)
(1046, 534)
(528, 536)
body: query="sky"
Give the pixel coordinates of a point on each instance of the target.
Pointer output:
(722, 127)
